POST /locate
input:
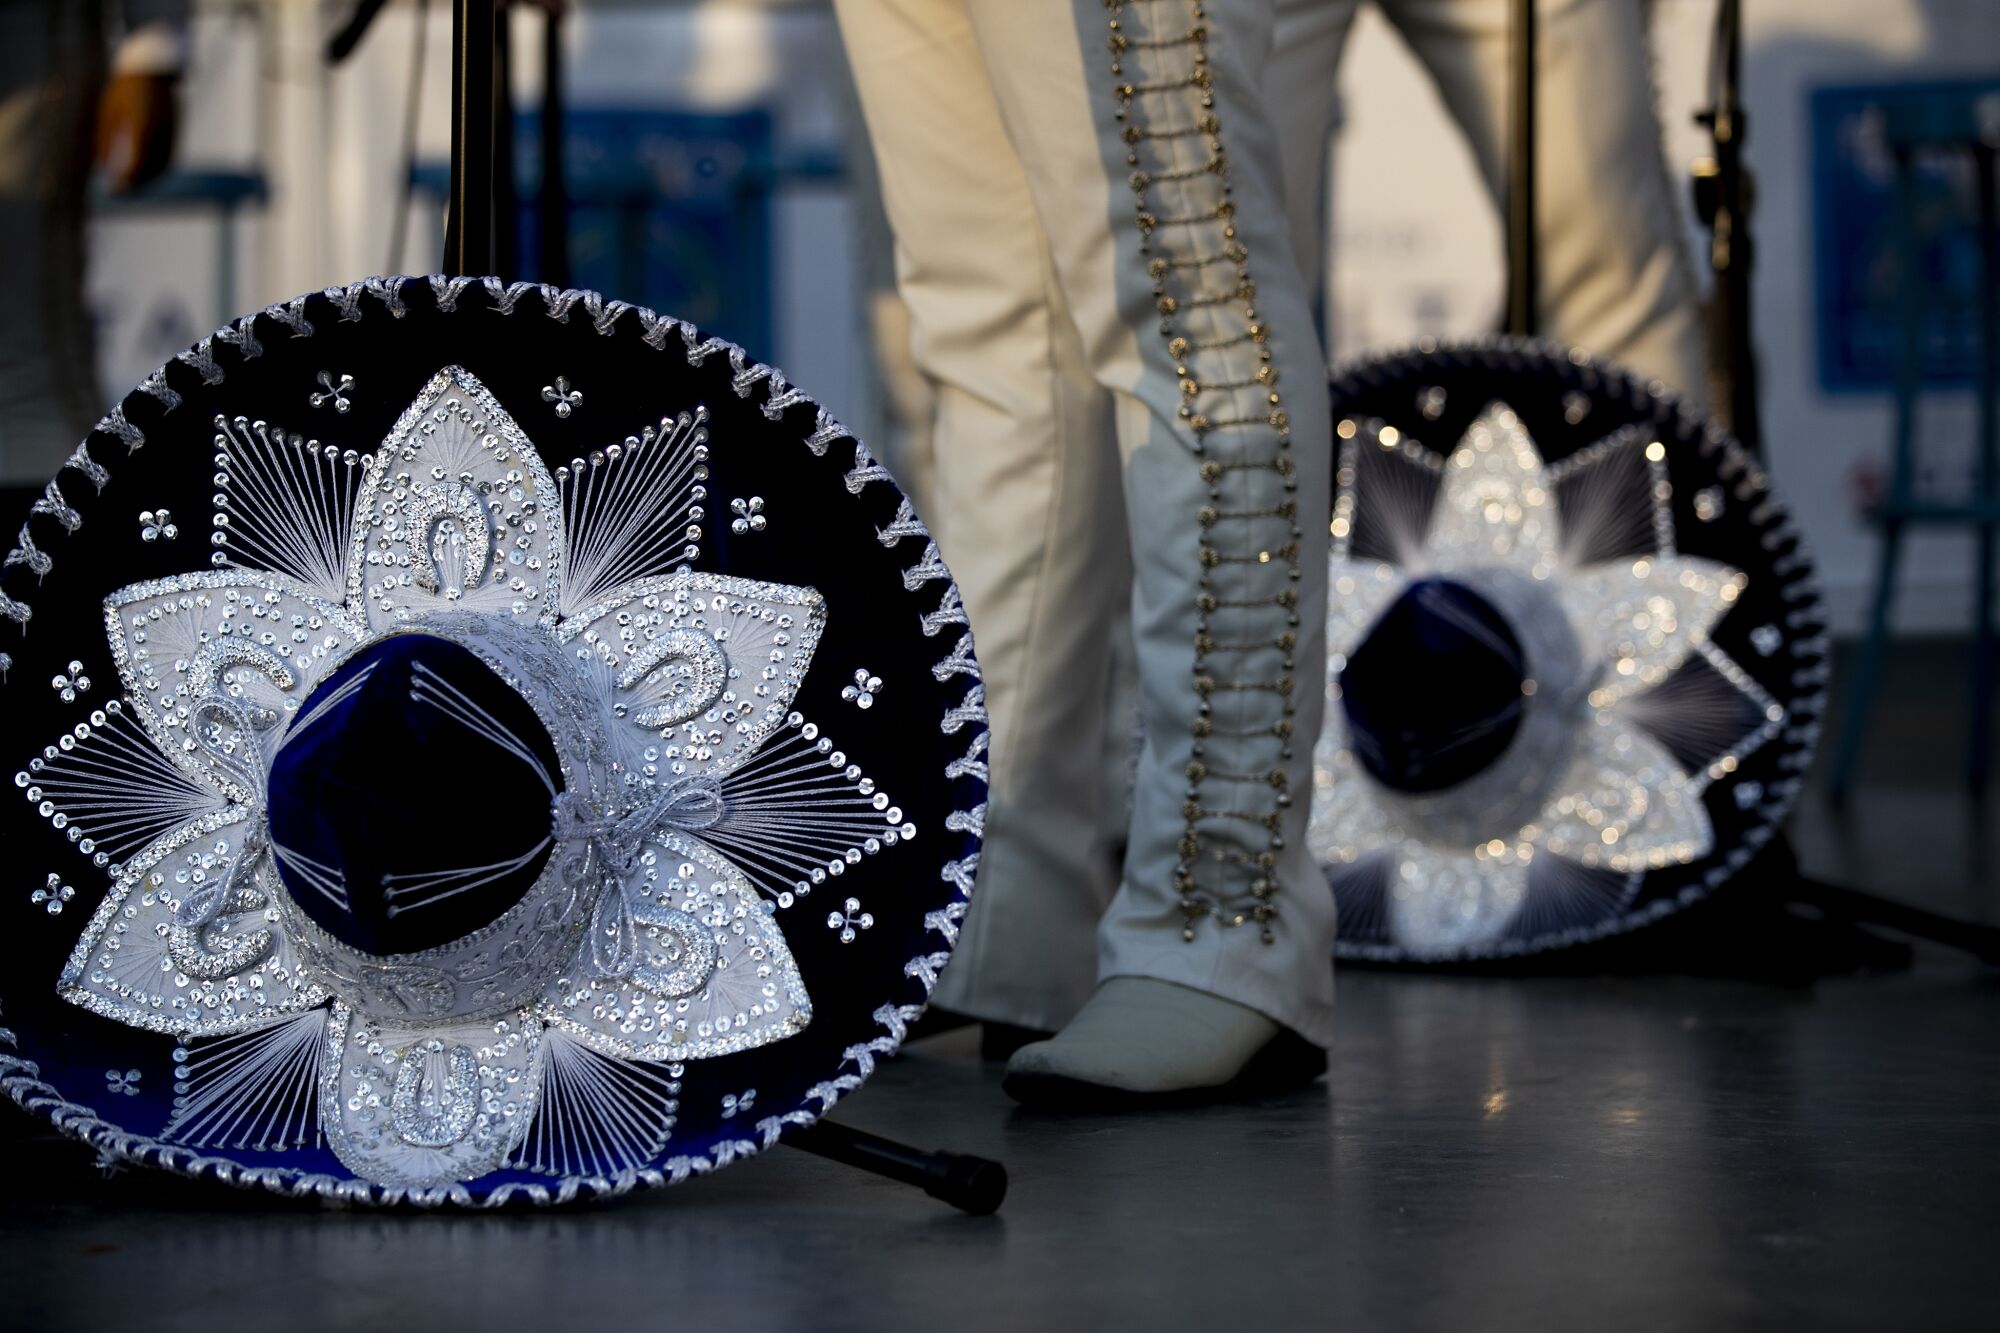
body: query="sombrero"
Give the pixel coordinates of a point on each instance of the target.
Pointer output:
(1577, 656)
(473, 742)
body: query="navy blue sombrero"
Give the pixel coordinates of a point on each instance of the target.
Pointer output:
(473, 742)
(1577, 656)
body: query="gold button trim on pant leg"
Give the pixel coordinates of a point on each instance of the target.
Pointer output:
(1283, 643)
(1191, 244)
(1159, 268)
(1215, 166)
(1148, 222)
(1120, 43)
(1203, 125)
(1274, 778)
(1265, 375)
(1287, 510)
(1127, 91)
(1255, 335)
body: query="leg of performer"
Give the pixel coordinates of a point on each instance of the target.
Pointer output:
(1615, 276)
(1302, 80)
(1306, 51)
(1026, 507)
(897, 425)
(1151, 152)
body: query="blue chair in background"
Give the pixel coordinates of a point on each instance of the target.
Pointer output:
(1915, 129)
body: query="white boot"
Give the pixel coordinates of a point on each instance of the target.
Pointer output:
(1141, 1042)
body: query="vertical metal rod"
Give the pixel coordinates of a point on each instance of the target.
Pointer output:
(506, 194)
(1730, 253)
(554, 203)
(1522, 278)
(468, 235)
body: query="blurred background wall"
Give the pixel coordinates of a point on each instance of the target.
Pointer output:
(734, 119)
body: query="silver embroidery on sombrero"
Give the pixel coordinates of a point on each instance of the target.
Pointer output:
(1580, 559)
(705, 666)
(634, 510)
(428, 1106)
(129, 967)
(285, 503)
(458, 511)
(689, 994)
(250, 635)
(667, 702)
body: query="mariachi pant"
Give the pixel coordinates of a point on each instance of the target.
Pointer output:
(1086, 196)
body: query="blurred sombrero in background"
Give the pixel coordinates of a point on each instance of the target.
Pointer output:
(1577, 656)
(474, 742)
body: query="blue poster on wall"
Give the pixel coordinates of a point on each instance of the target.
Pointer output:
(1859, 273)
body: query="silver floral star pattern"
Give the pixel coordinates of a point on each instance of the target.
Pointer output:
(333, 392)
(52, 895)
(864, 689)
(565, 399)
(850, 920)
(70, 683)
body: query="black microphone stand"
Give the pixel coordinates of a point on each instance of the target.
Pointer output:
(553, 205)
(1522, 247)
(1722, 198)
(468, 228)
(973, 1185)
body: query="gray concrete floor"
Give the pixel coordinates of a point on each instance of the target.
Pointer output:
(1543, 1153)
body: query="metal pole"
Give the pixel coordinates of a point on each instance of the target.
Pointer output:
(1722, 198)
(1732, 352)
(1982, 942)
(468, 234)
(1522, 279)
(506, 194)
(554, 203)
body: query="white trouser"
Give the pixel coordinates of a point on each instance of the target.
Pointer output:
(1614, 275)
(1086, 197)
